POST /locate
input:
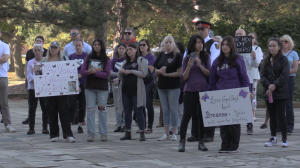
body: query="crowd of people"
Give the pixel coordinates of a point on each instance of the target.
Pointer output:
(177, 74)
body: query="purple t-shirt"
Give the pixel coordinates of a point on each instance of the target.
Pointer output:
(113, 63)
(228, 77)
(197, 81)
(151, 59)
(74, 56)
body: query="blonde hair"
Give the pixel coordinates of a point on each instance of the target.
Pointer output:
(289, 39)
(170, 38)
(48, 55)
(162, 45)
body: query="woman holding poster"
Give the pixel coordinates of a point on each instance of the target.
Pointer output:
(58, 104)
(274, 76)
(132, 92)
(195, 71)
(227, 72)
(96, 69)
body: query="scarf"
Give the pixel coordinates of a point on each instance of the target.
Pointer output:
(133, 40)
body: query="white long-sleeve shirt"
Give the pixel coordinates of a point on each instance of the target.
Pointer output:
(250, 64)
(259, 57)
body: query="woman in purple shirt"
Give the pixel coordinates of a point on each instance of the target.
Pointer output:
(146, 53)
(79, 55)
(96, 69)
(227, 72)
(121, 48)
(195, 71)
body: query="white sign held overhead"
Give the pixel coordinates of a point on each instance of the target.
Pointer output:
(226, 107)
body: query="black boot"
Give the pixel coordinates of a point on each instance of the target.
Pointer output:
(30, 131)
(142, 136)
(26, 121)
(117, 129)
(123, 129)
(127, 136)
(201, 145)
(181, 145)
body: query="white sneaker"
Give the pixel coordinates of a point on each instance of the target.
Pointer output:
(284, 143)
(272, 142)
(70, 139)
(163, 138)
(9, 128)
(55, 139)
(173, 137)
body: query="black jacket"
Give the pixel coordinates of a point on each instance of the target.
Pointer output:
(278, 75)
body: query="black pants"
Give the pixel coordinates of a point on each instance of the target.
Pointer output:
(191, 108)
(58, 105)
(230, 135)
(277, 110)
(32, 102)
(80, 98)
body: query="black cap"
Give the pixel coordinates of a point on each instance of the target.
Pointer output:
(202, 24)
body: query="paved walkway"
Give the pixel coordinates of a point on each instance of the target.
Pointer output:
(22, 150)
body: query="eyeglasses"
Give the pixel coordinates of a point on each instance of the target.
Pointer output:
(284, 41)
(143, 45)
(128, 33)
(74, 34)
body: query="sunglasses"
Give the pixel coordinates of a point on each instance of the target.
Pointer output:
(54, 47)
(128, 33)
(284, 41)
(143, 45)
(74, 34)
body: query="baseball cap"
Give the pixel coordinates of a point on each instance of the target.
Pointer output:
(55, 43)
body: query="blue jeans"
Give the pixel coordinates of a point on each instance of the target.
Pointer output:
(149, 105)
(169, 99)
(128, 103)
(99, 96)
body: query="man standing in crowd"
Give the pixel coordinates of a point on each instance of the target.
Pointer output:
(29, 56)
(4, 66)
(213, 49)
(70, 48)
(129, 37)
(251, 62)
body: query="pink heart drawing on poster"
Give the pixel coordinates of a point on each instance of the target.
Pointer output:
(47, 73)
(54, 66)
(65, 88)
(67, 64)
(49, 93)
(71, 77)
(40, 77)
(57, 75)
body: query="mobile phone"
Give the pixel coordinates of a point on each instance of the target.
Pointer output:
(193, 55)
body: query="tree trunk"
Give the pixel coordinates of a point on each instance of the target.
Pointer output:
(187, 25)
(121, 23)
(101, 31)
(16, 54)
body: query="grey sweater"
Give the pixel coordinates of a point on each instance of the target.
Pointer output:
(141, 74)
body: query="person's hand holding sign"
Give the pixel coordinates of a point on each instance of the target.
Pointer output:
(191, 62)
(98, 69)
(253, 55)
(79, 76)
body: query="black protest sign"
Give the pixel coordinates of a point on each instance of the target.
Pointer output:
(243, 44)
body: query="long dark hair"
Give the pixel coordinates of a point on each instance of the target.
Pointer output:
(232, 55)
(119, 45)
(180, 47)
(137, 54)
(103, 57)
(148, 44)
(191, 47)
(267, 60)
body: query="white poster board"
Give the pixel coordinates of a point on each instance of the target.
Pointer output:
(56, 78)
(226, 107)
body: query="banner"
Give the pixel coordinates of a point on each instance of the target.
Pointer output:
(56, 78)
(226, 107)
(243, 44)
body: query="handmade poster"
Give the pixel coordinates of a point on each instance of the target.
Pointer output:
(243, 44)
(226, 107)
(56, 78)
